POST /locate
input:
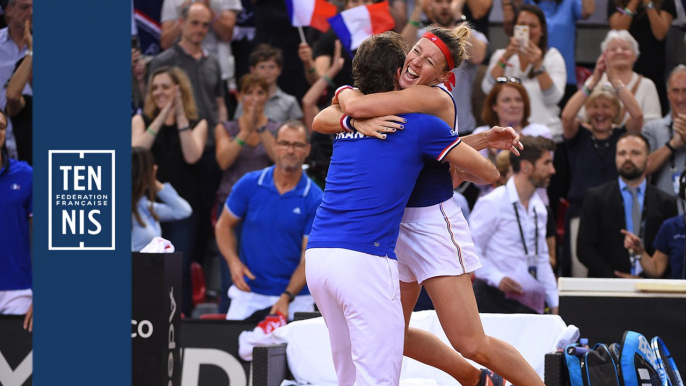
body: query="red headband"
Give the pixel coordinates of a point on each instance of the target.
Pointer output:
(448, 57)
(439, 43)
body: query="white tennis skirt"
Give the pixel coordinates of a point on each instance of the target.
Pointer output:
(435, 241)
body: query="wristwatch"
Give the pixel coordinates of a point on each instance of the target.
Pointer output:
(650, 5)
(539, 71)
(260, 129)
(290, 296)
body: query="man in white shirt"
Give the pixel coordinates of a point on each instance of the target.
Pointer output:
(508, 227)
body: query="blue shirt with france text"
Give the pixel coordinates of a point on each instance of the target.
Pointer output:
(369, 183)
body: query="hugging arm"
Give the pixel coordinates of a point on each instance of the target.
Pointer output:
(472, 163)
(328, 121)
(502, 138)
(415, 99)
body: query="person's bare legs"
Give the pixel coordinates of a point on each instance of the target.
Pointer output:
(427, 348)
(453, 299)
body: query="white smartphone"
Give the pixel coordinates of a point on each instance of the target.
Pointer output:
(521, 33)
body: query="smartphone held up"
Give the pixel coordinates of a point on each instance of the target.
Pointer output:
(521, 33)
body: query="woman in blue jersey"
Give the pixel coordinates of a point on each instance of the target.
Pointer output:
(434, 248)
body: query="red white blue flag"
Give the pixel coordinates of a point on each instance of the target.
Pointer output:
(354, 25)
(310, 13)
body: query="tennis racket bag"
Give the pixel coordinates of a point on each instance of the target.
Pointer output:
(594, 367)
(637, 361)
(666, 368)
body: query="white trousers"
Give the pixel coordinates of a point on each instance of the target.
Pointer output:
(244, 304)
(15, 302)
(359, 297)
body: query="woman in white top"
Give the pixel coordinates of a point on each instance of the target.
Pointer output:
(621, 52)
(541, 69)
(508, 104)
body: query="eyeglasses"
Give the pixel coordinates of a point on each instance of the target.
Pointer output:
(503, 79)
(294, 145)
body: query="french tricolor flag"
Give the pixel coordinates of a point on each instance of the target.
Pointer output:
(310, 13)
(356, 24)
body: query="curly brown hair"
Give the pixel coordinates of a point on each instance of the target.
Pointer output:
(377, 62)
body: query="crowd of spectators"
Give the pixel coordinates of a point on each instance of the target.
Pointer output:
(210, 93)
(213, 81)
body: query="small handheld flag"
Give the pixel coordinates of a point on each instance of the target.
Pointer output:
(310, 13)
(355, 25)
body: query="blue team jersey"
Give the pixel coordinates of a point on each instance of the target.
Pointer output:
(16, 208)
(274, 225)
(434, 184)
(369, 183)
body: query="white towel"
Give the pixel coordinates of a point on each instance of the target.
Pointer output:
(158, 245)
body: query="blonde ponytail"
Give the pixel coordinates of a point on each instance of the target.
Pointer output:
(457, 40)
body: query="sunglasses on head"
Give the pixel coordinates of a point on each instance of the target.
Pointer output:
(607, 87)
(502, 79)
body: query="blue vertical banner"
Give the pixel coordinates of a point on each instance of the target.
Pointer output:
(82, 193)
